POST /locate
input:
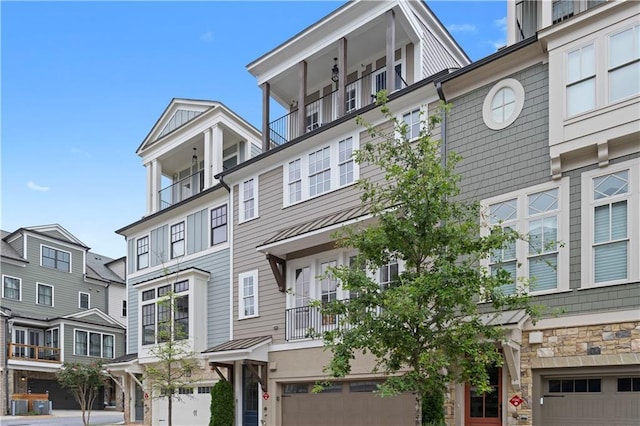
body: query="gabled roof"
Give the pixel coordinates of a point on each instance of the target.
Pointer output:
(176, 114)
(53, 230)
(97, 268)
(7, 251)
(95, 312)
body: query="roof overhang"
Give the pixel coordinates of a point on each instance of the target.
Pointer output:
(249, 349)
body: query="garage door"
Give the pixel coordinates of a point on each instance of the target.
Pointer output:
(344, 403)
(593, 401)
(192, 408)
(62, 399)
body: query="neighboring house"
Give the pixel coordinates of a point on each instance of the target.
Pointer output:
(55, 308)
(182, 243)
(549, 129)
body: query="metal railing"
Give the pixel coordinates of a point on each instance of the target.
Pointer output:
(181, 190)
(20, 351)
(358, 94)
(306, 322)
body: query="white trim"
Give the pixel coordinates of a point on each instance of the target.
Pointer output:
(518, 92)
(136, 254)
(231, 264)
(521, 224)
(241, 306)
(633, 227)
(57, 249)
(182, 221)
(89, 333)
(38, 284)
(19, 299)
(581, 320)
(229, 216)
(80, 293)
(241, 199)
(93, 311)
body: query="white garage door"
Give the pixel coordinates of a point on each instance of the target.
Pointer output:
(344, 403)
(193, 408)
(591, 401)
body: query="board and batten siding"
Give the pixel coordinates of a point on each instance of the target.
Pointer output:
(217, 315)
(273, 218)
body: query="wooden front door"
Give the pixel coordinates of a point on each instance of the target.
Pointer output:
(485, 409)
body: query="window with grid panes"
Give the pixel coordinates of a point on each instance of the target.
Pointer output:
(345, 160)
(581, 80)
(177, 240)
(320, 171)
(219, 225)
(295, 181)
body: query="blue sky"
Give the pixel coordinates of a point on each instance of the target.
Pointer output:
(83, 83)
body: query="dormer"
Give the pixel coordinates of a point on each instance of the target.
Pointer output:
(526, 17)
(336, 66)
(193, 141)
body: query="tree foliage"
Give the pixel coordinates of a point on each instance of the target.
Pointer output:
(84, 380)
(174, 359)
(425, 329)
(222, 401)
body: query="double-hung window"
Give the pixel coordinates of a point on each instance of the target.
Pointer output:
(387, 274)
(56, 259)
(581, 80)
(11, 287)
(44, 294)
(351, 97)
(249, 199)
(345, 160)
(538, 261)
(83, 300)
(295, 181)
(248, 297)
(219, 225)
(164, 314)
(610, 225)
(177, 240)
(320, 171)
(142, 252)
(624, 64)
(412, 121)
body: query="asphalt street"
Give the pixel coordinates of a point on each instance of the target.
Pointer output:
(67, 418)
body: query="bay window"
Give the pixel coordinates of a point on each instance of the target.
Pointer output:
(95, 344)
(165, 313)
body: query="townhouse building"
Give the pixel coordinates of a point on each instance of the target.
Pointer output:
(60, 302)
(182, 245)
(549, 131)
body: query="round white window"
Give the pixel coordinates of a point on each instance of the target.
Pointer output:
(503, 104)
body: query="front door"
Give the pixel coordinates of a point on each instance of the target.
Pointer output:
(485, 409)
(249, 398)
(138, 401)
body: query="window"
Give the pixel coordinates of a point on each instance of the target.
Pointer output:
(124, 308)
(94, 344)
(177, 240)
(295, 182)
(248, 302)
(185, 391)
(248, 200)
(44, 294)
(351, 97)
(83, 300)
(412, 120)
(204, 389)
(387, 274)
(540, 259)
(624, 64)
(320, 171)
(581, 80)
(503, 104)
(345, 161)
(56, 259)
(11, 287)
(629, 384)
(160, 319)
(142, 252)
(328, 283)
(219, 225)
(610, 205)
(575, 385)
(312, 116)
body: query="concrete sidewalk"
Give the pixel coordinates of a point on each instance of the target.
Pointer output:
(66, 413)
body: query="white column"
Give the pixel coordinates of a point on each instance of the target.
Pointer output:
(150, 197)
(217, 142)
(154, 180)
(208, 164)
(512, 26)
(546, 12)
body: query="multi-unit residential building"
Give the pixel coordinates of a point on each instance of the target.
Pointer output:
(60, 302)
(182, 245)
(549, 131)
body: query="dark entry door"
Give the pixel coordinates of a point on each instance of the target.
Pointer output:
(249, 398)
(485, 409)
(139, 401)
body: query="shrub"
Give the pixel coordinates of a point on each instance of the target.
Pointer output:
(222, 404)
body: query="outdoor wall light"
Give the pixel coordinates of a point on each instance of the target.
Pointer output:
(334, 71)
(194, 159)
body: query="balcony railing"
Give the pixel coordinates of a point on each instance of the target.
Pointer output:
(306, 322)
(23, 352)
(181, 190)
(358, 94)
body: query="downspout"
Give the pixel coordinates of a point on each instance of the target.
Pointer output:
(222, 182)
(443, 126)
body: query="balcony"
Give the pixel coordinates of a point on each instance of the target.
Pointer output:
(24, 352)
(306, 322)
(181, 190)
(320, 112)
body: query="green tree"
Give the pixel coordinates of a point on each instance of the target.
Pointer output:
(222, 401)
(84, 380)
(174, 359)
(425, 328)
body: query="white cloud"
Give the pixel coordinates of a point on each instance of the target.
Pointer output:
(462, 28)
(501, 24)
(207, 37)
(35, 187)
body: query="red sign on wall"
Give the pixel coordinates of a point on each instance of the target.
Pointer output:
(265, 396)
(516, 400)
